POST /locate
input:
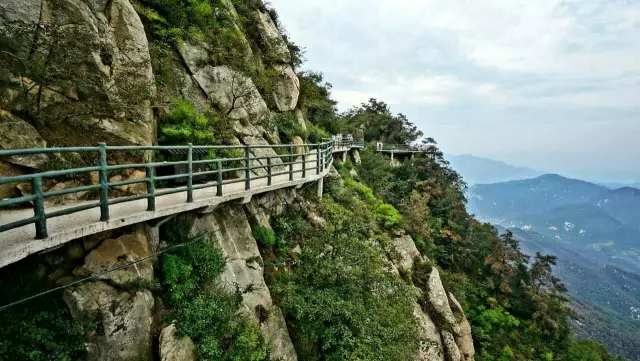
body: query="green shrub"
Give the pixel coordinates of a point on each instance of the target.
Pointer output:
(203, 309)
(387, 215)
(264, 236)
(41, 329)
(341, 302)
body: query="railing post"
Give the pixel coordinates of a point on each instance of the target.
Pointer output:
(247, 170)
(38, 208)
(104, 183)
(318, 158)
(291, 162)
(304, 165)
(190, 174)
(219, 183)
(322, 158)
(269, 171)
(151, 190)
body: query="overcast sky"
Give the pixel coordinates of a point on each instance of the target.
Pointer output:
(549, 84)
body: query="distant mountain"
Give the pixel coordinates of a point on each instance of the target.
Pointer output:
(476, 170)
(504, 201)
(595, 233)
(616, 185)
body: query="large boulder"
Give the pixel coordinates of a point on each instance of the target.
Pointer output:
(287, 88)
(430, 342)
(176, 348)
(274, 45)
(439, 303)
(355, 154)
(452, 351)
(274, 330)
(406, 252)
(124, 321)
(101, 46)
(464, 339)
(233, 92)
(113, 253)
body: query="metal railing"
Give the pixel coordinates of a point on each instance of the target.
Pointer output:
(401, 147)
(339, 143)
(217, 168)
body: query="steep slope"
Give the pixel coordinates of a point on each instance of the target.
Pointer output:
(477, 170)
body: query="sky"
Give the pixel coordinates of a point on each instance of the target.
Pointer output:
(549, 84)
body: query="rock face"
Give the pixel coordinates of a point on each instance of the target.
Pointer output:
(175, 348)
(101, 42)
(407, 252)
(355, 154)
(440, 302)
(287, 89)
(232, 231)
(430, 341)
(124, 319)
(113, 253)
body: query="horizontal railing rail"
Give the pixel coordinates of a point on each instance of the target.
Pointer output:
(401, 147)
(211, 172)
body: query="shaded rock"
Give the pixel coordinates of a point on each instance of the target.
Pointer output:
(465, 341)
(132, 189)
(75, 251)
(287, 89)
(16, 133)
(113, 253)
(176, 348)
(298, 146)
(275, 332)
(440, 302)
(450, 346)
(125, 321)
(430, 342)
(355, 154)
(9, 190)
(407, 252)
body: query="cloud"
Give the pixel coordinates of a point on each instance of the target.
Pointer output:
(464, 69)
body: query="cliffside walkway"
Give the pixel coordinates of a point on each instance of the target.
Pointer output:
(208, 181)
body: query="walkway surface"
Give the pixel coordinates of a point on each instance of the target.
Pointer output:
(18, 243)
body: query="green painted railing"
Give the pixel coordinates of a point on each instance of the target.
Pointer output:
(216, 168)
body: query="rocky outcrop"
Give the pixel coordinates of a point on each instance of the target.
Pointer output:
(176, 348)
(439, 302)
(101, 44)
(406, 251)
(300, 119)
(232, 232)
(124, 321)
(464, 340)
(271, 38)
(430, 340)
(287, 89)
(355, 155)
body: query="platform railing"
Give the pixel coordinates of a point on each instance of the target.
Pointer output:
(216, 168)
(401, 147)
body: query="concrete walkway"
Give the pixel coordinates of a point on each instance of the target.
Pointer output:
(19, 243)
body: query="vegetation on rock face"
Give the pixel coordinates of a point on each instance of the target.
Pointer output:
(201, 307)
(340, 298)
(41, 329)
